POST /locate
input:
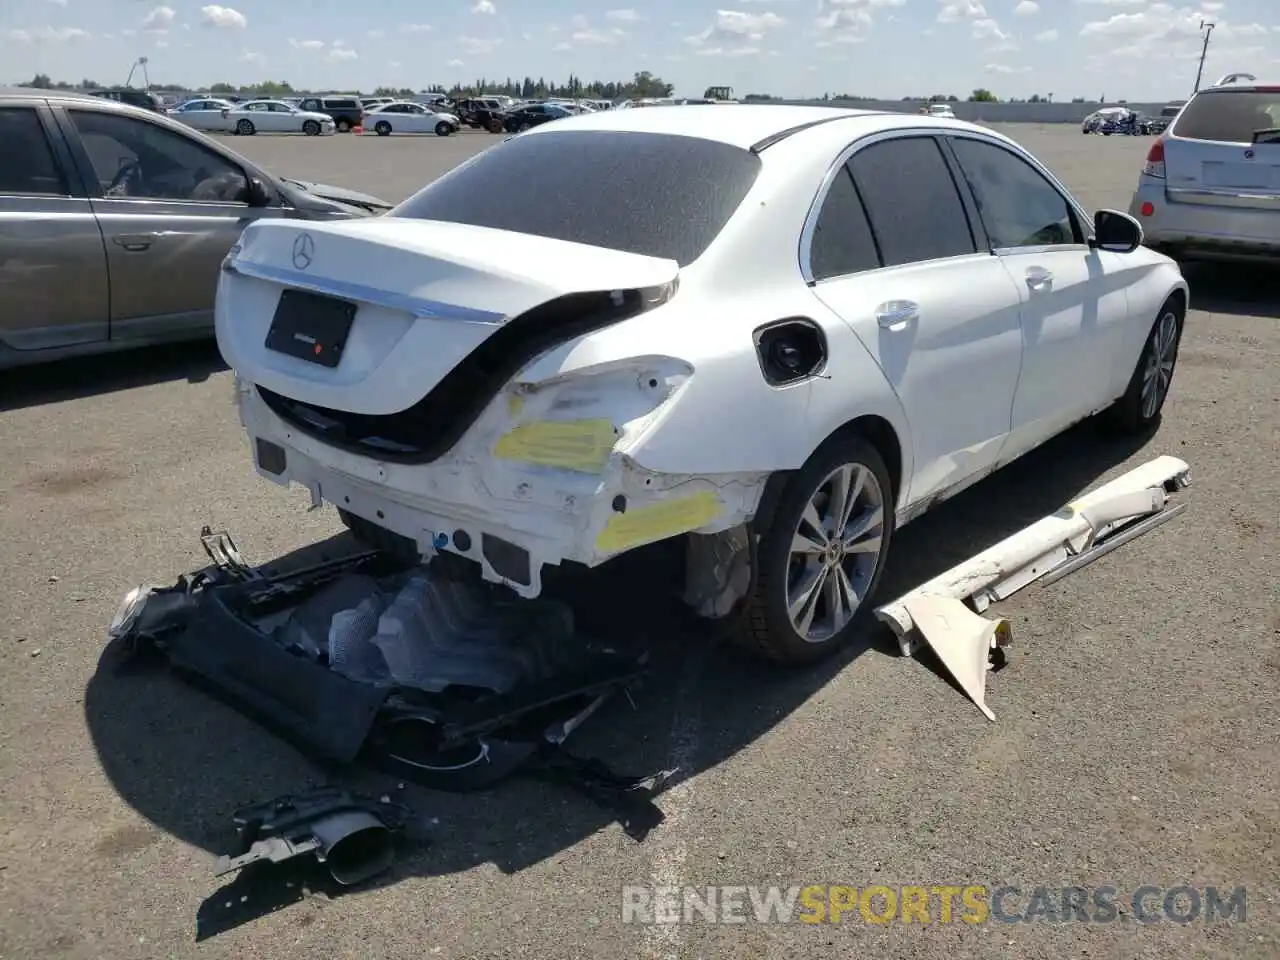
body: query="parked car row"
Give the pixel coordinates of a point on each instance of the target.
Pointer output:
(255, 116)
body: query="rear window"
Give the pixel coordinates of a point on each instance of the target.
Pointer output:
(649, 193)
(1232, 116)
(341, 104)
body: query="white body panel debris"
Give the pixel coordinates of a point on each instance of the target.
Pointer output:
(942, 611)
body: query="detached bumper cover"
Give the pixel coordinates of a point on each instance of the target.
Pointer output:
(502, 686)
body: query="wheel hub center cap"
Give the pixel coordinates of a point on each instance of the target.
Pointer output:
(835, 552)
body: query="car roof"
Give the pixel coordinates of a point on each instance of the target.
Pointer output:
(28, 92)
(741, 125)
(1241, 86)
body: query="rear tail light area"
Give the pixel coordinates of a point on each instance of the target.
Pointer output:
(1154, 167)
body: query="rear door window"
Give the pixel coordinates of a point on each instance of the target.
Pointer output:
(27, 164)
(911, 200)
(842, 242)
(1229, 116)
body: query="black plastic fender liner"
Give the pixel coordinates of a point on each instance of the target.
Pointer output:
(320, 712)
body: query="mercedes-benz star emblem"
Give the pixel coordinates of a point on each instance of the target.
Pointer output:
(304, 251)
(1248, 154)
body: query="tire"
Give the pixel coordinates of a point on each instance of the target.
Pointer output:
(245, 128)
(495, 126)
(1138, 411)
(382, 128)
(523, 127)
(344, 126)
(443, 129)
(311, 128)
(766, 627)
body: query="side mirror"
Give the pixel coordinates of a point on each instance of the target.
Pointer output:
(259, 195)
(1115, 232)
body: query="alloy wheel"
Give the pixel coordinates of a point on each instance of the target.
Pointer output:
(1158, 372)
(835, 550)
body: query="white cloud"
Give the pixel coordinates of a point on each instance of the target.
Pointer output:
(1027, 8)
(249, 56)
(224, 18)
(454, 63)
(338, 54)
(593, 37)
(159, 20)
(1046, 36)
(587, 35)
(1004, 68)
(375, 34)
(485, 7)
(1115, 3)
(306, 44)
(624, 16)
(962, 10)
(988, 29)
(848, 21)
(479, 46)
(45, 35)
(735, 30)
(416, 28)
(58, 3)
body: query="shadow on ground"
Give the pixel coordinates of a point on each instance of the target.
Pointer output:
(82, 377)
(1247, 290)
(185, 761)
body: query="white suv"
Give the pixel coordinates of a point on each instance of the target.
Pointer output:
(1211, 185)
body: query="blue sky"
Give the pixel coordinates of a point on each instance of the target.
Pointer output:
(1135, 49)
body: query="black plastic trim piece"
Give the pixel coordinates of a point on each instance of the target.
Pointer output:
(781, 135)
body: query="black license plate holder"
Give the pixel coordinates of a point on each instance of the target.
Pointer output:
(311, 326)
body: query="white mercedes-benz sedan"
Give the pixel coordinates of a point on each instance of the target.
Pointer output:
(276, 116)
(778, 332)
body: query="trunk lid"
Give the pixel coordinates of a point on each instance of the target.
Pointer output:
(421, 296)
(1211, 157)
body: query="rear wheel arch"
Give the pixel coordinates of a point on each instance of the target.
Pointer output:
(875, 430)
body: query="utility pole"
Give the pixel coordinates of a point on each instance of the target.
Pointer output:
(1206, 28)
(140, 62)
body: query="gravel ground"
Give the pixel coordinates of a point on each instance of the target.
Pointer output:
(1136, 743)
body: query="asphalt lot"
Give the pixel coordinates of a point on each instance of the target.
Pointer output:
(1138, 739)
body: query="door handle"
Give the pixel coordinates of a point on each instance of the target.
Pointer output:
(896, 314)
(135, 242)
(1038, 278)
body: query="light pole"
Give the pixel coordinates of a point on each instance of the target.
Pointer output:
(140, 62)
(1207, 29)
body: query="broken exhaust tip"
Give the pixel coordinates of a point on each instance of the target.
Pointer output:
(355, 846)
